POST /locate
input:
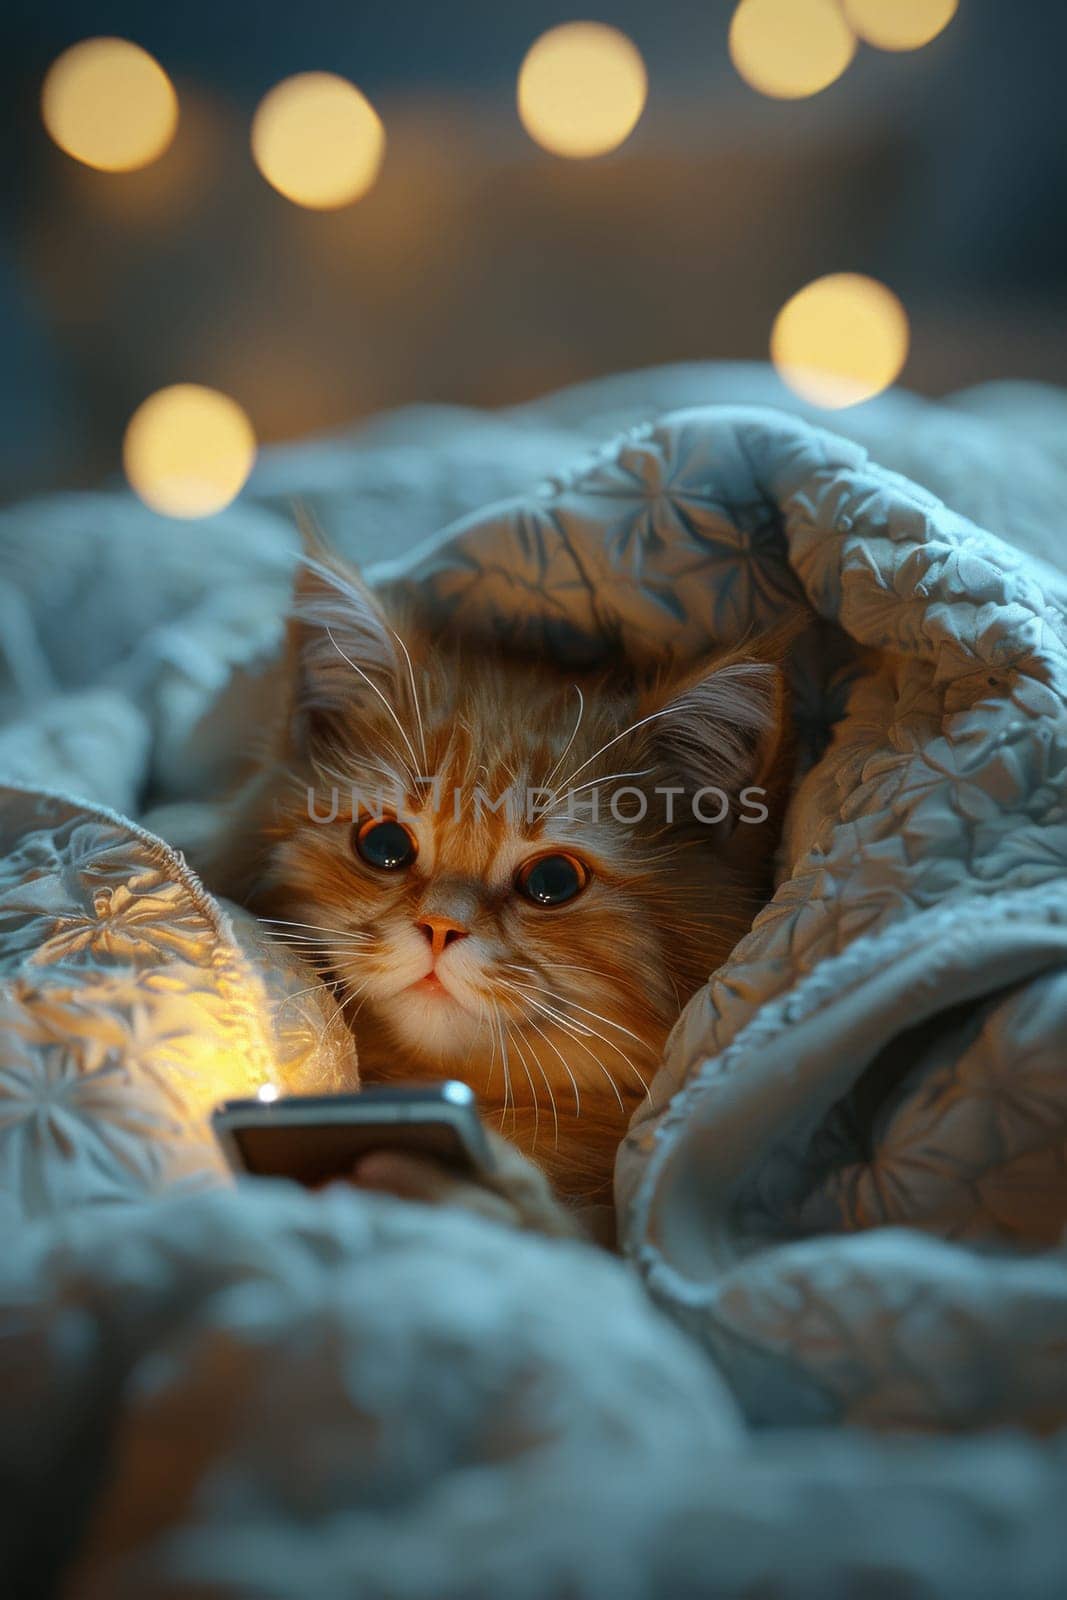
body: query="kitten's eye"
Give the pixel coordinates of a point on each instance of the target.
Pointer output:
(552, 880)
(385, 843)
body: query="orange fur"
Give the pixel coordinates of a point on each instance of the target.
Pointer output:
(555, 1016)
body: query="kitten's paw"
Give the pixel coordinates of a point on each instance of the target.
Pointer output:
(516, 1193)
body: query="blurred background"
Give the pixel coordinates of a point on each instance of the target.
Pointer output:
(473, 262)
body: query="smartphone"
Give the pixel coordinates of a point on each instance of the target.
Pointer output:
(318, 1137)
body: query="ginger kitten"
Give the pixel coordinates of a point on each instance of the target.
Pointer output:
(511, 876)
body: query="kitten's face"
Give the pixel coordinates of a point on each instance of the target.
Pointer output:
(463, 929)
(489, 925)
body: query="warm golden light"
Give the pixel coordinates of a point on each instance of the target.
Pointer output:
(108, 103)
(582, 89)
(840, 340)
(318, 140)
(899, 24)
(188, 450)
(790, 48)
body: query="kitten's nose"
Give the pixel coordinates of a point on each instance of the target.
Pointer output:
(441, 931)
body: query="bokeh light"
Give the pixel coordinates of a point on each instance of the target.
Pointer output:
(840, 340)
(108, 103)
(318, 140)
(789, 49)
(582, 89)
(188, 450)
(899, 24)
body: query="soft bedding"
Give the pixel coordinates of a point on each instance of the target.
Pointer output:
(846, 1195)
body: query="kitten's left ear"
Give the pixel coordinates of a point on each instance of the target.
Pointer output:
(720, 727)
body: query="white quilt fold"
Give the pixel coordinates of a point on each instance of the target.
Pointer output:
(848, 1187)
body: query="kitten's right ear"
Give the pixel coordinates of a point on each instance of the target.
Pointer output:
(343, 653)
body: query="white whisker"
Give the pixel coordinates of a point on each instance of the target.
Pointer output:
(483, 1011)
(566, 794)
(569, 1023)
(579, 1031)
(566, 1068)
(607, 1021)
(314, 988)
(508, 1091)
(578, 1039)
(369, 681)
(573, 966)
(653, 716)
(533, 1088)
(360, 760)
(594, 1057)
(570, 741)
(548, 1085)
(414, 699)
(402, 775)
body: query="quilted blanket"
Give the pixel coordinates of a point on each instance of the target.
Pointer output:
(844, 1200)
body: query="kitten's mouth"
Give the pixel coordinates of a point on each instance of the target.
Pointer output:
(431, 984)
(431, 987)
